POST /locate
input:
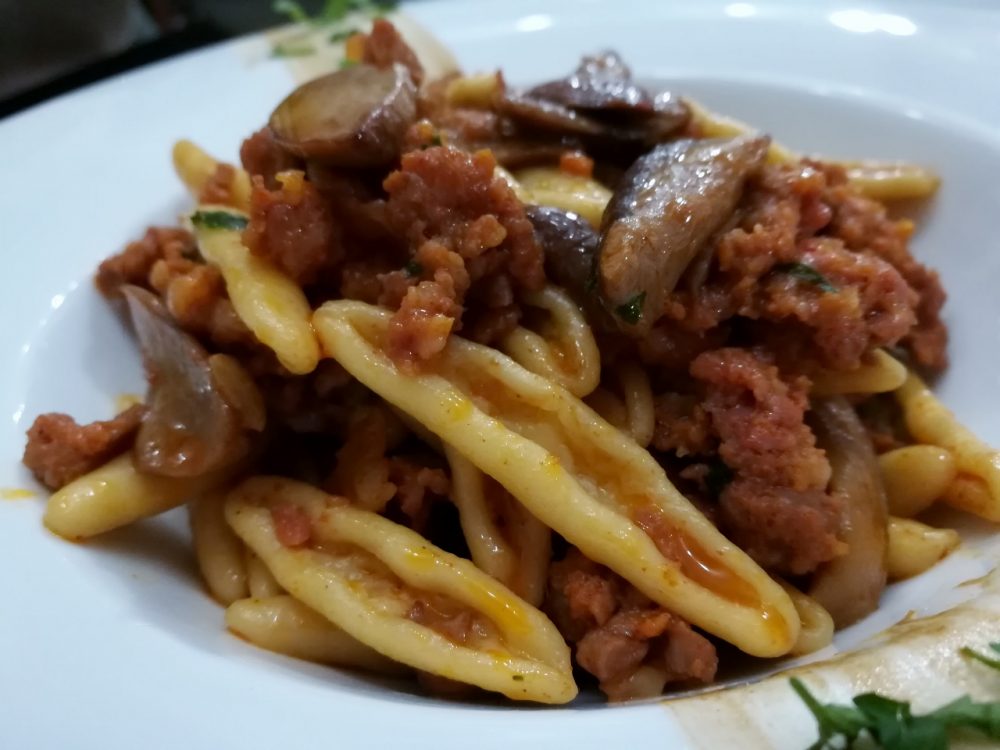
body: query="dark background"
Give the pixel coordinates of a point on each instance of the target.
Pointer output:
(48, 47)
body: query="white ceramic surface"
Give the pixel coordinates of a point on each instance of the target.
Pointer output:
(114, 645)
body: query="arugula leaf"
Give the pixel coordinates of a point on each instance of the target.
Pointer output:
(218, 220)
(631, 311)
(805, 272)
(965, 712)
(834, 721)
(891, 724)
(989, 661)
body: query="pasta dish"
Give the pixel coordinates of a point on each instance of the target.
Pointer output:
(528, 390)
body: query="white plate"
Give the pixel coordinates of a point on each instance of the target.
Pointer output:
(115, 645)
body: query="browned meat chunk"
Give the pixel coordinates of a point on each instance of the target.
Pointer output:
(465, 227)
(59, 450)
(293, 228)
(760, 420)
(384, 46)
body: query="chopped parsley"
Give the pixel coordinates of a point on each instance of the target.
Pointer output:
(413, 269)
(805, 272)
(631, 311)
(892, 725)
(347, 63)
(518, 678)
(218, 220)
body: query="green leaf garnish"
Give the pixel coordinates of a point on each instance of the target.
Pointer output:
(295, 12)
(413, 269)
(342, 35)
(891, 724)
(347, 63)
(332, 10)
(807, 273)
(631, 311)
(989, 661)
(218, 220)
(292, 48)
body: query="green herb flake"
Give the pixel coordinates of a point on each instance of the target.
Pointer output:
(987, 659)
(347, 63)
(631, 311)
(219, 220)
(805, 272)
(292, 48)
(292, 10)
(413, 269)
(343, 35)
(718, 476)
(518, 678)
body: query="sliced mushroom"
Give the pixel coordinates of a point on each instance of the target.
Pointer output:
(599, 101)
(602, 81)
(665, 209)
(570, 245)
(191, 428)
(849, 586)
(355, 117)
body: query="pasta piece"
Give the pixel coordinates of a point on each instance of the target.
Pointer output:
(565, 350)
(517, 556)
(219, 552)
(287, 626)
(610, 408)
(551, 186)
(271, 304)
(195, 168)
(915, 476)
(891, 180)
(881, 373)
(391, 589)
(117, 494)
(572, 470)
(915, 547)
(476, 91)
(641, 415)
(931, 422)
(261, 582)
(817, 624)
(972, 495)
(874, 179)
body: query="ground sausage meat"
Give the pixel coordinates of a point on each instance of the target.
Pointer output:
(617, 631)
(466, 230)
(293, 228)
(134, 264)
(261, 155)
(806, 249)
(59, 450)
(384, 46)
(776, 507)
